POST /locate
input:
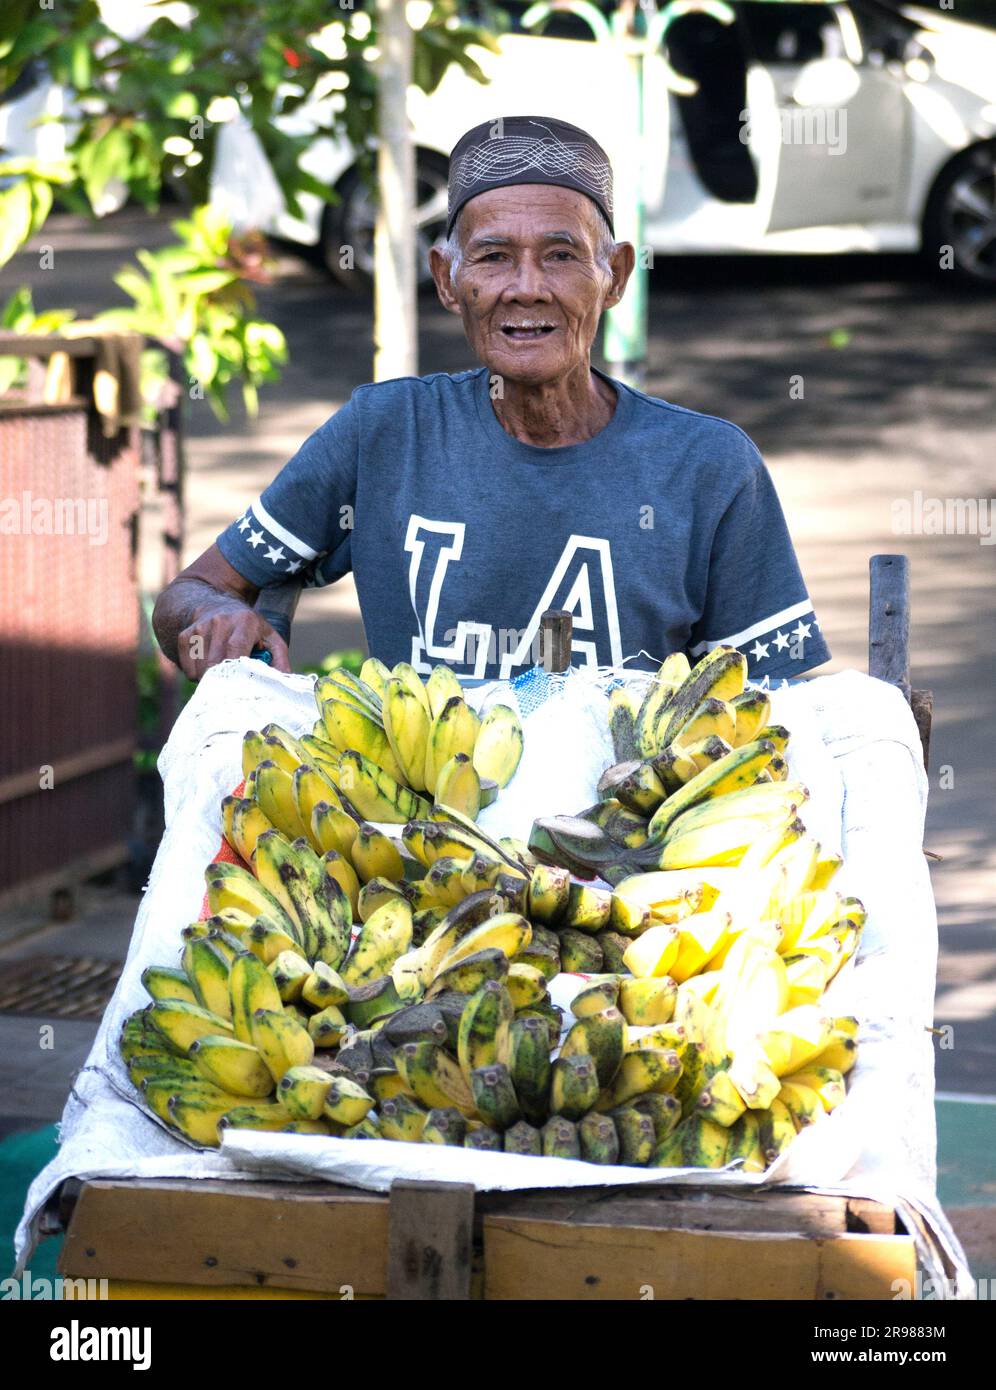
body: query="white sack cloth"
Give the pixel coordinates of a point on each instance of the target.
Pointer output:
(855, 746)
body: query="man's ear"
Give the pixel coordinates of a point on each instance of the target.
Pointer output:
(439, 265)
(622, 261)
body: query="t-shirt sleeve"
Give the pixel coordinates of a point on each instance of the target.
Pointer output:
(756, 598)
(302, 523)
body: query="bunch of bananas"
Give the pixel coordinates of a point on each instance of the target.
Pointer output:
(696, 736)
(393, 744)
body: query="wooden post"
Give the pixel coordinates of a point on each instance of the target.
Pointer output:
(556, 634)
(395, 332)
(429, 1237)
(889, 620)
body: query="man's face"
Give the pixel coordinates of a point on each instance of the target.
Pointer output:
(529, 288)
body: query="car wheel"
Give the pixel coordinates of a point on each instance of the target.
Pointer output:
(348, 226)
(961, 213)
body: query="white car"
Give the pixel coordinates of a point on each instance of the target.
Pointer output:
(813, 128)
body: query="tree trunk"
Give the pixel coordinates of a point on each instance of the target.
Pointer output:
(395, 328)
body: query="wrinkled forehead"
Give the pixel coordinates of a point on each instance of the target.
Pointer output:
(529, 213)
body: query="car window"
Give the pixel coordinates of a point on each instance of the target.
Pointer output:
(790, 34)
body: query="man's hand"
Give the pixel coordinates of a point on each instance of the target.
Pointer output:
(226, 630)
(206, 615)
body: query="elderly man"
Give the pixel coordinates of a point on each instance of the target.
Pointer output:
(467, 504)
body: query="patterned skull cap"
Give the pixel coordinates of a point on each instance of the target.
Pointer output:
(528, 149)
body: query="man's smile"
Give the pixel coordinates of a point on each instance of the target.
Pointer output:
(527, 330)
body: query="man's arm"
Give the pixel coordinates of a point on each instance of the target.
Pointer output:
(206, 615)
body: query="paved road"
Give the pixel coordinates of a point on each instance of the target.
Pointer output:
(899, 395)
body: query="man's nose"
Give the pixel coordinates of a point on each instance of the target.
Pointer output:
(527, 282)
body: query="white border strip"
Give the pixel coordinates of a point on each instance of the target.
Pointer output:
(797, 610)
(281, 534)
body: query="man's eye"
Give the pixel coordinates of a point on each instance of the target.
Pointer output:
(564, 255)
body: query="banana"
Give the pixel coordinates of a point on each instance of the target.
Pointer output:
(412, 681)
(407, 724)
(717, 845)
(402, 1118)
(573, 1085)
(559, 1138)
(454, 730)
(599, 1139)
(375, 855)
(720, 675)
(841, 1051)
(529, 1066)
(199, 1119)
(375, 893)
(751, 1073)
(180, 1024)
(458, 785)
(664, 1112)
(266, 939)
(711, 718)
(445, 1126)
(826, 1083)
(587, 909)
(825, 870)
(807, 979)
(753, 990)
(275, 794)
(635, 785)
(624, 709)
(332, 829)
(445, 878)
(375, 794)
(328, 1027)
(580, 953)
(721, 1102)
(434, 1077)
(777, 1130)
(231, 1065)
(340, 871)
(697, 1142)
(342, 682)
(652, 955)
(484, 1138)
(602, 1037)
(302, 1092)
(324, 987)
(525, 985)
(417, 1023)
(802, 1103)
(797, 1039)
(648, 1001)
(751, 710)
(641, 1070)
(469, 974)
(281, 1041)
(165, 982)
(675, 766)
(289, 971)
(261, 1116)
(507, 931)
(348, 727)
(442, 685)
(776, 734)
(745, 1144)
(672, 672)
(733, 772)
(384, 936)
(498, 748)
(637, 1140)
(543, 952)
(375, 674)
(597, 996)
(231, 887)
(494, 1096)
(626, 828)
(485, 1024)
(523, 1138)
(251, 987)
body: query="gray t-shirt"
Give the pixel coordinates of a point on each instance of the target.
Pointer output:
(662, 533)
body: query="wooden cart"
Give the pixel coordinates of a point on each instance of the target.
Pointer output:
(431, 1240)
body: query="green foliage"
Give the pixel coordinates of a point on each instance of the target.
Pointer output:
(193, 299)
(18, 316)
(350, 660)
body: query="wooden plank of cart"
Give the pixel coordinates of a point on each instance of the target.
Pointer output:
(173, 1238)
